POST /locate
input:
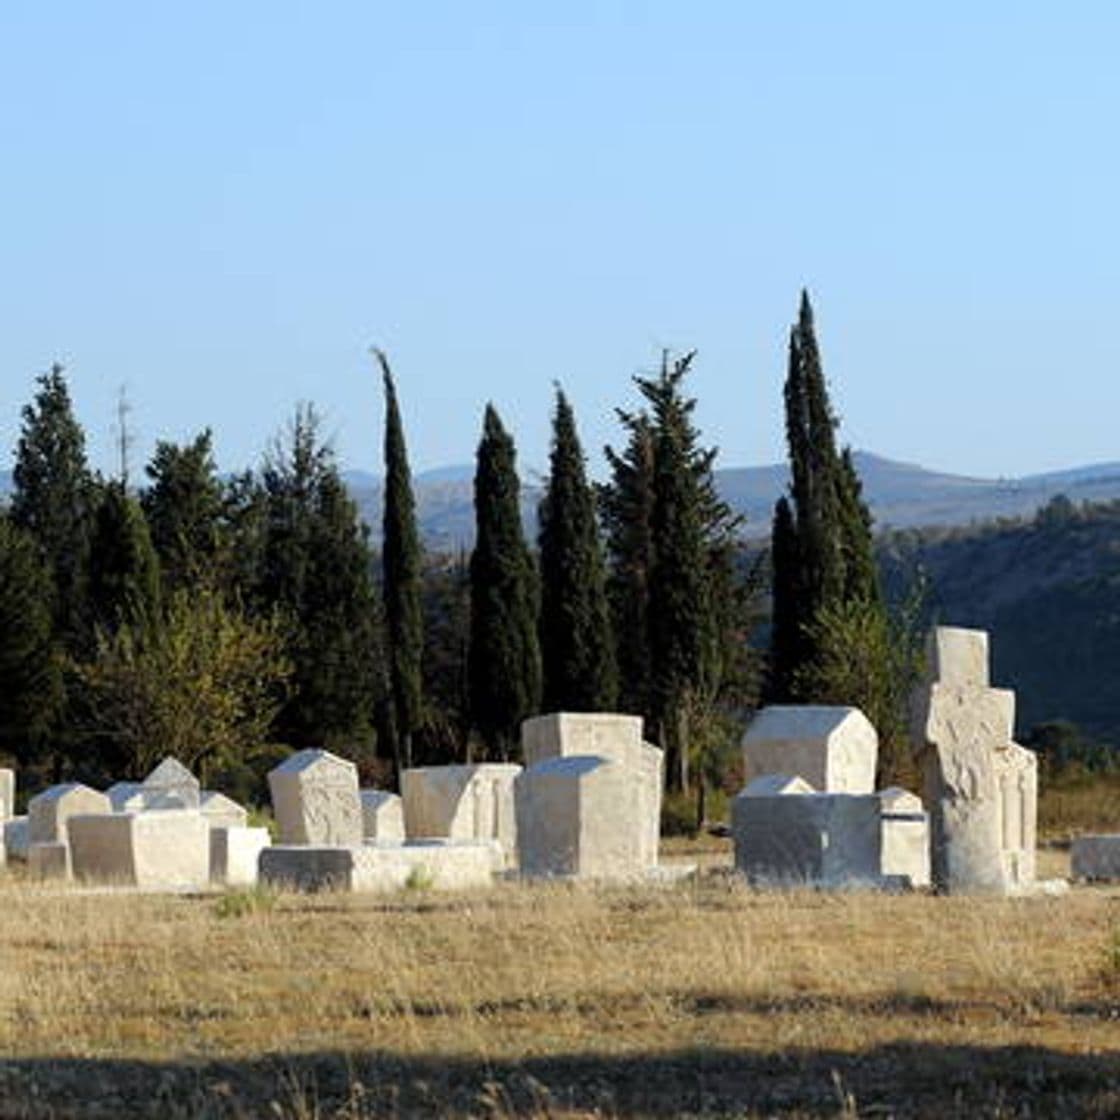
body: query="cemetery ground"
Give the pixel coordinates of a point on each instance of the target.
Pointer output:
(699, 998)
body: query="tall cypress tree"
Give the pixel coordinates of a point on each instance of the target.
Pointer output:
(124, 575)
(577, 652)
(626, 504)
(504, 661)
(52, 501)
(401, 575)
(823, 560)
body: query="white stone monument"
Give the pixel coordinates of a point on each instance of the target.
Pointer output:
(166, 850)
(382, 816)
(7, 794)
(221, 811)
(981, 788)
(171, 786)
(315, 800)
(833, 748)
(905, 837)
(16, 838)
(234, 854)
(48, 811)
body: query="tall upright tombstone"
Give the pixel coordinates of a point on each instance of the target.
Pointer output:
(980, 787)
(315, 799)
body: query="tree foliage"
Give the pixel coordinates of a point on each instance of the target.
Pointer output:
(124, 574)
(504, 660)
(577, 649)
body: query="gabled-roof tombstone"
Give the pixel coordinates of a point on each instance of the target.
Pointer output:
(171, 786)
(315, 799)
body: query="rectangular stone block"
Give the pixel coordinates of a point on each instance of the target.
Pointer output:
(834, 749)
(16, 838)
(1096, 858)
(315, 800)
(958, 657)
(166, 850)
(49, 861)
(599, 734)
(234, 854)
(813, 839)
(7, 794)
(905, 837)
(222, 811)
(382, 816)
(427, 865)
(48, 811)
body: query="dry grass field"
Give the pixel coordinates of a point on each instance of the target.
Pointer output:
(703, 998)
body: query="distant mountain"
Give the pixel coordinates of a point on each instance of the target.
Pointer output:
(901, 496)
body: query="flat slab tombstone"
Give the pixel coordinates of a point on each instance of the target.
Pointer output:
(461, 803)
(382, 816)
(48, 811)
(834, 749)
(171, 786)
(168, 850)
(315, 799)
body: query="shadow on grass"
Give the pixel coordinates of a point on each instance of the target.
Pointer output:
(900, 1080)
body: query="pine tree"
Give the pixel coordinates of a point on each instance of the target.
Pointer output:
(124, 576)
(577, 651)
(626, 505)
(504, 662)
(824, 573)
(401, 582)
(52, 501)
(32, 688)
(184, 509)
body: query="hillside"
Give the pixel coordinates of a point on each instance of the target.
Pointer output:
(1048, 590)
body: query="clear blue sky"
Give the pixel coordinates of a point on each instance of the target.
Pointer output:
(222, 205)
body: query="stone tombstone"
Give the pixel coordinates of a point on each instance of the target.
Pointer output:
(615, 738)
(221, 811)
(50, 860)
(167, 850)
(980, 787)
(16, 838)
(171, 786)
(461, 803)
(382, 816)
(7, 794)
(126, 797)
(315, 799)
(48, 811)
(235, 853)
(833, 748)
(1096, 858)
(905, 837)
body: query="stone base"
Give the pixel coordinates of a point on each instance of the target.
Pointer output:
(1096, 857)
(234, 854)
(381, 867)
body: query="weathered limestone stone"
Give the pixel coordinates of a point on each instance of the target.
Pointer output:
(315, 799)
(833, 748)
(616, 738)
(7, 794)
(777, 785)
(434, 864)
(382, 816)
(1096, 857)
(980, 786)
(50, 860)
(48, 811)
(812, 839)
(17, 838)
(126, 797)
(581, 816)
(234, 854)
(222, 811)
(461, 803)
(167, 850)
(905, 837)
(171, 786)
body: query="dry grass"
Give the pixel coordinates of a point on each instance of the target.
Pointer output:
(1073, 806)
(702, 998)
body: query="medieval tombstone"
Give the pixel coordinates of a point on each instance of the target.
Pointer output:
(235, 853)
(315, 799)
(48, 811)
(382, 817)
(171, 786)
(981, 788)
(7, 794)
(221, 811)
(167, 850)
(1096, 858)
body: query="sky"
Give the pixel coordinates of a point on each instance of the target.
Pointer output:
(219, 207)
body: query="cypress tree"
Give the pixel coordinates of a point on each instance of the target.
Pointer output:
(504, 662)
(401, 582)
(787, 638)
(626, 504)
(124, 576)
(577, 653)
(52, 502)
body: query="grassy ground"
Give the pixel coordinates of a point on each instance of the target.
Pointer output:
(703, 998)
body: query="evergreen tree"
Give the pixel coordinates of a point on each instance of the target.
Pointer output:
(316, 567)
(577, 651)
(124, 576)
(626, 504)
(401, 583)
(504, 662)
(184, 509)
(823, 564)
(32, 687)
(52, 499)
